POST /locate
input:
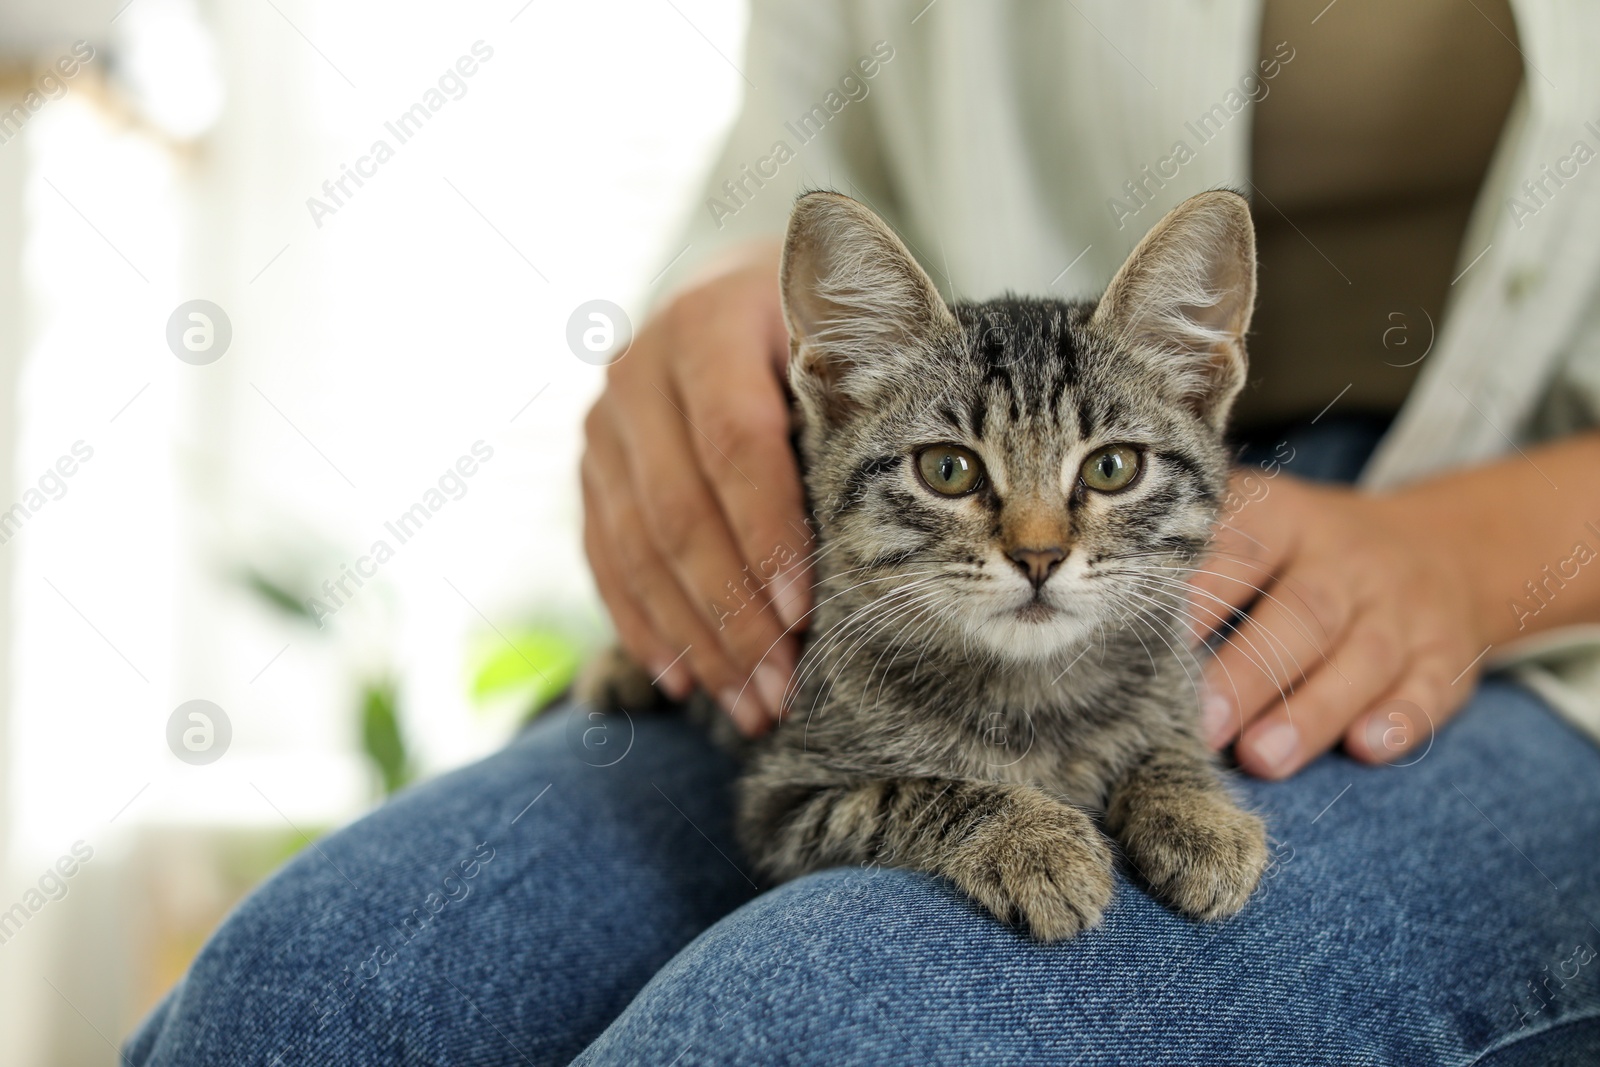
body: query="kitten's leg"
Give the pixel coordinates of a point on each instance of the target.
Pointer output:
(1021, 854)
(1191, 842)
(612, 680)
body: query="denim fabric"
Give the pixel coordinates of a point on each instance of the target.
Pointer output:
(1332, 449)
(396, 941)
(578, 895)
(1407, 923)
(1423, 915)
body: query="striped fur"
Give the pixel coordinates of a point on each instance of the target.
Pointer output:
(948, 714)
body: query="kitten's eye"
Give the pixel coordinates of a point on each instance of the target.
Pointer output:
(949, 469)
(1110, 468)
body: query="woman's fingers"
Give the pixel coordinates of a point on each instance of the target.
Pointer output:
(650, 579)
(1357, 626)
(700, 486)
(634, 629)
(680, 515)
(1288, 635)
(1402, 722)
(1364, 666)
(1253, 537)
(740, 416)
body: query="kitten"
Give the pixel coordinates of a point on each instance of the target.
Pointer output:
(1009, 496)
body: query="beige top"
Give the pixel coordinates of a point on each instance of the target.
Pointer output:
(1367, 155)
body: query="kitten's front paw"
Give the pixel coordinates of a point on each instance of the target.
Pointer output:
(1203, 856)
(1043, 866)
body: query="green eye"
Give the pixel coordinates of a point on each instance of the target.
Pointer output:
(1111, 468)
(949, 470)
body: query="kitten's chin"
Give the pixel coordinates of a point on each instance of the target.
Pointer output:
(1031, 632)
(1036, 611)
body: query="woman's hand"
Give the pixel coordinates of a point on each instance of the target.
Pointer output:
(1363, 624)
(693, 516)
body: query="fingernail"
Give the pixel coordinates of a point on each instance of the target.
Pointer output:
(1216, 719)
(1275, 744)
(674, 680)
(729, 699)
(772, 683)
(749, 721)
(787, 598)
(1393, 727)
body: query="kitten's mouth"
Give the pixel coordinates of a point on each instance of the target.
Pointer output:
(1036, 610)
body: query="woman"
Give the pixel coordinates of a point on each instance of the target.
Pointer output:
(1430, 253)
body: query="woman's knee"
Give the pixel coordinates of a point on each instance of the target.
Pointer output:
(580, 875)
(842, 966)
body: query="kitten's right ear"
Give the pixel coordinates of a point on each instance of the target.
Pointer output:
(1186, 294)
(861, 312)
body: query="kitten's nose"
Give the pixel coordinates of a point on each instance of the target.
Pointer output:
(1037, 563)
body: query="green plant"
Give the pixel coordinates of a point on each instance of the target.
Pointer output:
(378, 694)
(381, 738)
(521, 670)
(532, 664)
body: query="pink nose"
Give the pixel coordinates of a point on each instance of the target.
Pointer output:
(1037, 563)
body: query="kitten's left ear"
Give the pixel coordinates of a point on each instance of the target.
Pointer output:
(861, 312)
(1186, 292)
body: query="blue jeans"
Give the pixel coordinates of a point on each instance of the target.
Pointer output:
(577, 897)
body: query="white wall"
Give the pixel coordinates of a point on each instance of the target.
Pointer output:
(13, 166)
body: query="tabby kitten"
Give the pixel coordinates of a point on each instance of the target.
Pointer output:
(1009, 496)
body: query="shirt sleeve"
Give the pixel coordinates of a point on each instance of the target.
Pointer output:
(806, 122)
(1563, 665)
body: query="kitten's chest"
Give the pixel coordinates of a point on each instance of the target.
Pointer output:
(894, 710)
(1076, 761)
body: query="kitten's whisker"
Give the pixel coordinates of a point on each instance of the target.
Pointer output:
(1194, 685)
(1231, 527)
(1186, 573)
(810, 559)
(1277, 644)
(1181, 657)
(917, 666)
(927, 614)
(1186, 591)
(1140, 637)
(912, 604)
(842, 661)
(1305, 631)
(850, 589)
(1183, 600)
(872, 629)
(1192, 563)
(946, 614)
(1185, 612)
(1258, 660)
(792, 686)
(827, 656)
(877, 601)
(812, 611)
(839, 631)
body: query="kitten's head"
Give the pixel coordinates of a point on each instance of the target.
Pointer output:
(1011, 476)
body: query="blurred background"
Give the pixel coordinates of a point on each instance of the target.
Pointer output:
(228, 370)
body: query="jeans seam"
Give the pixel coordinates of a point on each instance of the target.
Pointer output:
(1519, 1038)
